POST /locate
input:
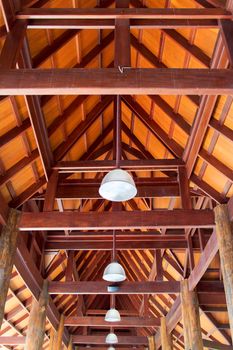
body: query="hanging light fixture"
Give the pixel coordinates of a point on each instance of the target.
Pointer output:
(111, 338)
(111, 348)
(114, 272)
(112, 315)
(118, 185)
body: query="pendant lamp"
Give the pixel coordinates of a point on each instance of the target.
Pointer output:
(114, 272)
(111, 339)
(118, 185)
(112, 315)
(111, 348)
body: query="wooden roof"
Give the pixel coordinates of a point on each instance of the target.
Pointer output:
(195, 128)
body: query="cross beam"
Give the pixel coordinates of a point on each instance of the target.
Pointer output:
(105, 81)
(116, 220)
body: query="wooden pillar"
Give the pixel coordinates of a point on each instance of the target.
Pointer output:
(70, 345)
(52, 339)
(191, 318)
(166, 340)
(58, 338)
(37, 319)
(151, 342)
(8, 241)
(224, 231)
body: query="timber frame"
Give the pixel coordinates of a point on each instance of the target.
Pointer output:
(70, 246)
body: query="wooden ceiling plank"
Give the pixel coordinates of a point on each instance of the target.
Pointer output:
(173, 147)
(207, 189)
(221, 129)
(65, 147)
(217, 164)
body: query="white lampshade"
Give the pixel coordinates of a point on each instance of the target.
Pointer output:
(118, 186)
(112, 315)
(111, 348)
(111, 339)
(114, 272)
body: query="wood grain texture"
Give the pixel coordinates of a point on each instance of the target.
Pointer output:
(36, 323)
(224, 231)
(8, 242)
(165, 336)
(191, 318)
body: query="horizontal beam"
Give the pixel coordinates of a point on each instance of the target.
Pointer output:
(89, 287)
(106, 81)
(92, 192)
(215, 345)
(129, 13)
(106, 165)
(126, 242)
(110, 23)
(100, 339)
(12, 340)
(116, 220)
(100, 321)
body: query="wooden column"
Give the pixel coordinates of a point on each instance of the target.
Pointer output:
(8, 241)
(36, 323)
(151, 342)
(224, 230)
(52, 339)
(70, 345)
(191, 318)
(166, 340)
(58, 338)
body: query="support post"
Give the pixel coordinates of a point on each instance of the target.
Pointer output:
(224, 231)
(58, 338)
(37, 319)
(151, 342)
(166, 339)
(191, 318)
(70, 345)
(8, 241)
(52, 339)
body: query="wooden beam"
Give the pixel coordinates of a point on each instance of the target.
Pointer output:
(8, 241)
(106, 165)
(100, 339)
(37, 320)
(12, 340)
(126, 13)
(85, 192)
(12, 45)
(109, 220)
(215, 345)
(134, 81)
(227, 33)
(128, 242)
(89, 287)
(126, 322)
(224, 230)
(110, 23)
